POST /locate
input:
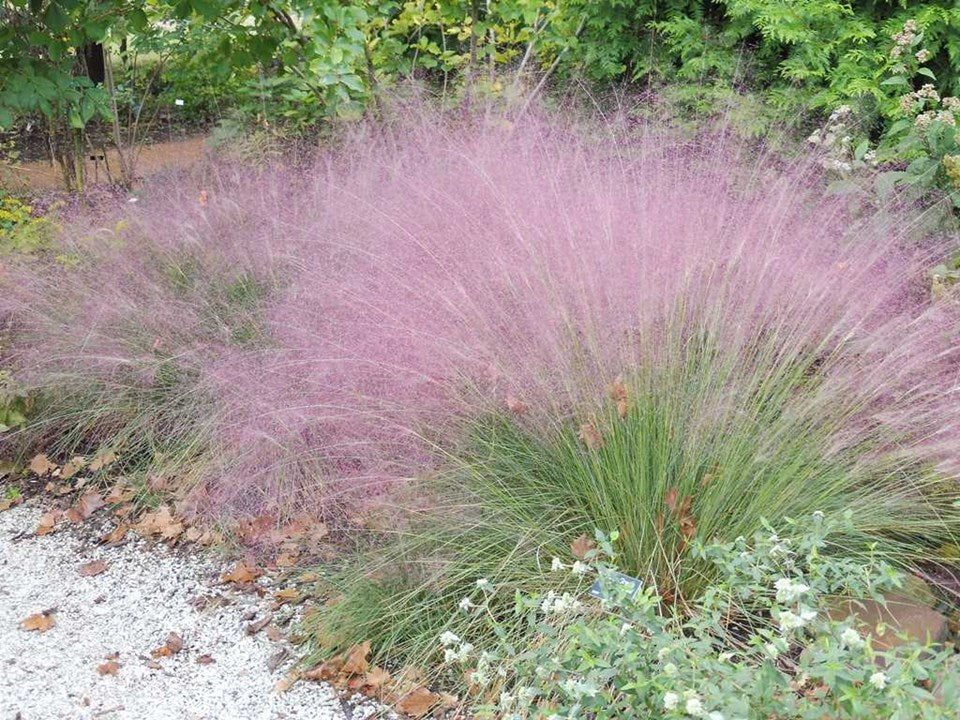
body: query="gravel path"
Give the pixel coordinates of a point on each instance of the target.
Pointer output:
(131, 608)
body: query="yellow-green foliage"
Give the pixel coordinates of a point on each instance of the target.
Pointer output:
(20, 230)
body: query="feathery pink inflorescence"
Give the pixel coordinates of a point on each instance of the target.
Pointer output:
(424, 274)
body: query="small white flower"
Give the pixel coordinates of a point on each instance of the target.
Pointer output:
(448, 638)
(794, 621)
(663, 652)
(670, 700)
(724, 656)
(851, 638)
(132, 200)
(556, 565)
(694, 707)
(465, 604)
(715, 715)
(817, 515)
(789, 590)
(669, 669)
(625, 628)
(923, 55)
(485, 585)
(580, 568)
(178, 102)
(878, 680)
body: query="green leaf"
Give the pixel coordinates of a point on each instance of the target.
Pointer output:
(926, 72)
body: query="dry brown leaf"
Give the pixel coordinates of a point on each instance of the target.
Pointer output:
(287, 595)
(160, 522)
(581, 546)
(516, 406)
(620, 395)
(88, 504)
(94, 567)
(172, 646)
(75, 465)
(39, 622)
(8, 503)
(48, 522)
(101, 460)
(376, 678)
(205, 660)
(241, 575)
(41, 465)
(274, 634)
(356, 662)
(255, 627)
(590, 436)
(417, 703)
(671, 499)
(286, 683)
(193, 534)
(115, 535)
(110, 667)
(120, 492)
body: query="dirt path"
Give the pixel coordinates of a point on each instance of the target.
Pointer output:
(103, 654)
(42, 175)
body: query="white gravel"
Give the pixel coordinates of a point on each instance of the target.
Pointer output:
(130, 609)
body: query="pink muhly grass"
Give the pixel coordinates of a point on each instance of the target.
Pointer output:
(425, 275)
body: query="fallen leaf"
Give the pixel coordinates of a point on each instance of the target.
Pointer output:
(274, 634)
(356, 662)
(515, 406)
(590, 436)
(101, 460)
(108, 668)
(41, 465)
(671, 499)
(287, 595)
(8, 503)
(160, 522)
(172, 646)
(620, 395)
(278, 659)
(240, 575)
(286, 683)
(205, 660)
(376, 678)
(94, 567)
(38, 622)
(48, 522)
(581, 546)
(115, 535)
(88, 504)
(75, 465)
(417, 703)
(255, 627)
(120, 492)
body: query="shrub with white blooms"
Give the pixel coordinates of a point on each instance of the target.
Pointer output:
(762, 641)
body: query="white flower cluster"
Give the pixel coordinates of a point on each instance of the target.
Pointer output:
(790, 621)
(692, 705)
(554, 604)
(789, 590)
(454, 649)
(903, 40)
(578, 688)
(852, 639)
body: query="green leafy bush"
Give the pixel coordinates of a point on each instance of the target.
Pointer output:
(21, 230)
(765, 639)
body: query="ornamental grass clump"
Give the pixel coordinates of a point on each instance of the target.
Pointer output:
(532, 330)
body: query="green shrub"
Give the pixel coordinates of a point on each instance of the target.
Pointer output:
(763, 640)
(21, 230)
(672, 469)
